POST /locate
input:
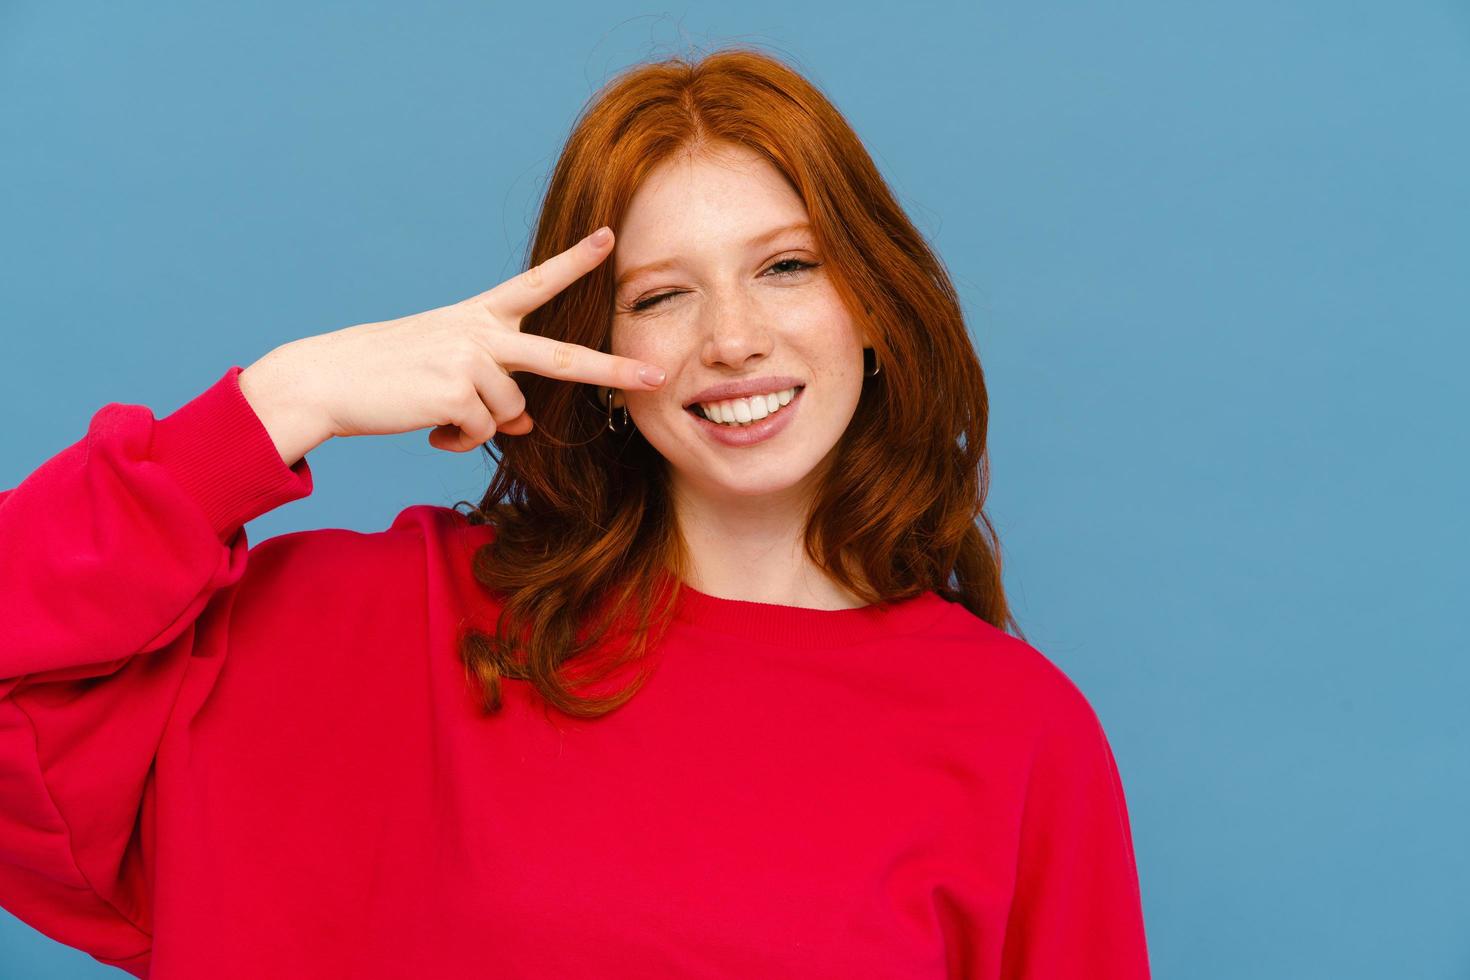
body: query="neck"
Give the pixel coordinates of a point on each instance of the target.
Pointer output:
(752, 549)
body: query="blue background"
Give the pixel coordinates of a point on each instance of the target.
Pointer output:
(1215, 258)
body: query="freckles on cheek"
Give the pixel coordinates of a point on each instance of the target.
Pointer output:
(659, 347)
(633, 339)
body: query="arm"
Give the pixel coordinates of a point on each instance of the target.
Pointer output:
(1076, 911)
(115, 555)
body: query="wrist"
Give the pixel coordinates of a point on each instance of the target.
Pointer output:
(278, 399)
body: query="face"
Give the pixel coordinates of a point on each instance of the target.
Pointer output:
(737, 295)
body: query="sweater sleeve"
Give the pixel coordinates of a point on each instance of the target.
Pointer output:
(1076, 911)
(112, 556)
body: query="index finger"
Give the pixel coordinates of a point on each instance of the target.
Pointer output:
(516, 351)
(521, 294)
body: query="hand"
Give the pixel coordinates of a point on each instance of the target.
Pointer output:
(447, 367)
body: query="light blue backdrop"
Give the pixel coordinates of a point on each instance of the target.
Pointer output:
(1216, 260)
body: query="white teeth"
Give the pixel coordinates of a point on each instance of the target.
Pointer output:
(742, 411)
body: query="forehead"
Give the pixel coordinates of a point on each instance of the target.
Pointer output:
(689, 204)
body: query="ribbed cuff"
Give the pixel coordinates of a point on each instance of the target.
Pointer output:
(222, 455)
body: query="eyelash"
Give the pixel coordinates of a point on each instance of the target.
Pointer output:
(644, 304)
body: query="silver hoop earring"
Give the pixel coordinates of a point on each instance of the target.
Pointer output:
(627, 422)
(876, 366)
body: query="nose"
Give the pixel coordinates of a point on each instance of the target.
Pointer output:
(735, 331)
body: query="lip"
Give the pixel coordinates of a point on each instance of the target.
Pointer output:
(745, 386)
(749, 435)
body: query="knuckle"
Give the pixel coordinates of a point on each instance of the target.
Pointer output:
(467, 401)
(534, 276)
(507, 399)
(563, 357)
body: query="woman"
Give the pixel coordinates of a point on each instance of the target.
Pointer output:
(303, 759)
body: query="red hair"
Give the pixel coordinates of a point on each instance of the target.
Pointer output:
(586, 550)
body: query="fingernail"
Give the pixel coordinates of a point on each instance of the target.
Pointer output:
(600, 236)
(651, 375)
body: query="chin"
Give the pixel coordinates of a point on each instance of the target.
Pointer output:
(757, 480)
(749, 487)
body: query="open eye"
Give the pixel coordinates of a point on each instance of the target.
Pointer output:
(800, 266)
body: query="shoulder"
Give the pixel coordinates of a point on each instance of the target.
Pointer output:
(319, 604)
(337, 572)
(1010, 679)
(1030, 711)
(335, 551)
(416, 529)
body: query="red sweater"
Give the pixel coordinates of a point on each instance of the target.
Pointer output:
(222, 761)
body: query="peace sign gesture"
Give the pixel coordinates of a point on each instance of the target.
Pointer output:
(447, 367)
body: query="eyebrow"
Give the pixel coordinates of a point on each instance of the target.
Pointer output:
(760, 239)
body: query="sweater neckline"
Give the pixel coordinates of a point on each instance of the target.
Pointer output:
(802, 626)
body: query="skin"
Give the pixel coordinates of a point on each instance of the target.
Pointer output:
(741, 311)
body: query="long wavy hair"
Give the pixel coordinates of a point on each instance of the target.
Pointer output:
(586, 553)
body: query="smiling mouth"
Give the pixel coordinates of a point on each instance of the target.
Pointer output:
(695, 410)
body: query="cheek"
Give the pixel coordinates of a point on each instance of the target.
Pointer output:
(646, 342)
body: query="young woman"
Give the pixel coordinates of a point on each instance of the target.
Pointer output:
(718, 680)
